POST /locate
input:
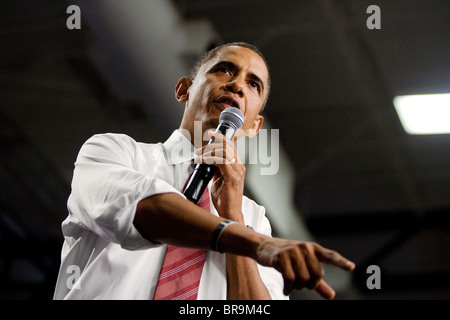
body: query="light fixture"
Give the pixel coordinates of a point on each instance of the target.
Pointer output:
(424, 113)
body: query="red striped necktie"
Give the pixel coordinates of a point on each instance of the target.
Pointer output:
(180, 274)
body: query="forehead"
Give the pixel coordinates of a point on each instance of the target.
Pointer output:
(242, 57)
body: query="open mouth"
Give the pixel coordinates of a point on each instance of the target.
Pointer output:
(227, 102)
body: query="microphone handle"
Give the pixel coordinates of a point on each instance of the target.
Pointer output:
(203, 173)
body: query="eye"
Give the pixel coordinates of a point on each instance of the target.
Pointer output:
(224, 70)
(254, 85)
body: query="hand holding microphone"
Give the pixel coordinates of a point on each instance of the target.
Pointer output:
(230, 120)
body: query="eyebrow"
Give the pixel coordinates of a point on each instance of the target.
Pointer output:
(233, 66)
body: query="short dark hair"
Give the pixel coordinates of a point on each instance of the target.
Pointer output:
(212, 53)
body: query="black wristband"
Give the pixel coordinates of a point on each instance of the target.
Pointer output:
(217, 234)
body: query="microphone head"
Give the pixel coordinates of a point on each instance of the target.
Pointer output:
(232, 116)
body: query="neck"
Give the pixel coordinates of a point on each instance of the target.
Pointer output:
(195, 131)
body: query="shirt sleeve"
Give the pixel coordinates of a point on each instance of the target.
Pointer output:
(107, 187)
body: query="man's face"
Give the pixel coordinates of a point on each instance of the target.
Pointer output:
(235, 77)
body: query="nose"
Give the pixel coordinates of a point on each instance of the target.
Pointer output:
(235, 86)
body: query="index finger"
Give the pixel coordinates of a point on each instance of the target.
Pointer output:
(334, 258)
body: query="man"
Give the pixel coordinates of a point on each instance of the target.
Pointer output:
(126, 204)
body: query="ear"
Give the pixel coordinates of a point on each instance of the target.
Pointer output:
(257, 124)
(181, 89)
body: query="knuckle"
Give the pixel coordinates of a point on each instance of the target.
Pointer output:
(306, 246)
(332, 255)
(304, 279)
(289, 277)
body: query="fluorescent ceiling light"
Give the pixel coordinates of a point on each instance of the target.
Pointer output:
(425, 113)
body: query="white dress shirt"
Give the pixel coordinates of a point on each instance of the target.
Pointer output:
(103, 255)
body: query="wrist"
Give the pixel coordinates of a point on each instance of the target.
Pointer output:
(237, 216)
(217, 234)
(241, 240)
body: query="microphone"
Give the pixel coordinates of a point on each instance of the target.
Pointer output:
(230, 120)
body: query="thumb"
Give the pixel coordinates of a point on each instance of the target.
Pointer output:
(325, 290)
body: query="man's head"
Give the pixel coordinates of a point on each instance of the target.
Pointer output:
(234, 74)
(212, 53)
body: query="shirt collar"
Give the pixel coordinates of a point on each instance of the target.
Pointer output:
(179, 149)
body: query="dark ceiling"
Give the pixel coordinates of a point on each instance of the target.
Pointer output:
(362, 185)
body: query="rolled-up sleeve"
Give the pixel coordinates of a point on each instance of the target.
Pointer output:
(107, 186)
